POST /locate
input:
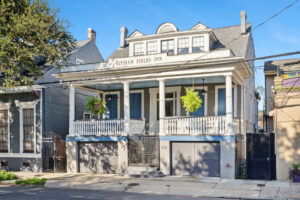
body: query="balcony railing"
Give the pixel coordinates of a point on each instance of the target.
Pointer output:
(113, 127)
(214, 125)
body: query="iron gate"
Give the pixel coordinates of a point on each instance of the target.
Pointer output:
(261, 158)
(143, 151)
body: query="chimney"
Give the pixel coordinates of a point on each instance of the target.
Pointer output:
(123, 36)
(243, 22)
(91, 34)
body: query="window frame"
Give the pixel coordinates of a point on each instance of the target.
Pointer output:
(202, 37)
(185, 47)
(153, 51)
(168, 49)
(6, 106)
(30, 125)
(135, 53)
(142, 99)
(234, 100)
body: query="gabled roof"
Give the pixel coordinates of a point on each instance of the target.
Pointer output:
(199, 26)
(135, 33)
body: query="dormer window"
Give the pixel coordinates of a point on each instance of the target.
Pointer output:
(167, 46)
(198, 44)
(151, 47)
(183, 45)
(139, 49)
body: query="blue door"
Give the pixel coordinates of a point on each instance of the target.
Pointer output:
(112, 106)
(200, 111)
(136, 106)
(222, 101)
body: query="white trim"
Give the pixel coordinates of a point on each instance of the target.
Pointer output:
(27, 105)
(87, 113)
(205, 98)
(21, 155)
(142, 99)
(235, 99)
(118, 98)
(6, 106)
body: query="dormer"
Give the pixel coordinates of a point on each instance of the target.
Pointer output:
(168, 39)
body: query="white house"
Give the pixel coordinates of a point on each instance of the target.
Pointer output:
(142, 82)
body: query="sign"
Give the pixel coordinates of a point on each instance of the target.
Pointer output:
(126, 62)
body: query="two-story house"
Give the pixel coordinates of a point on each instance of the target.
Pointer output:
(282, 110)
(142, 82)
(28, 113)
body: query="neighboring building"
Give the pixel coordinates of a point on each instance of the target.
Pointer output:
(142, 82)
(29, 113)
(282, 111)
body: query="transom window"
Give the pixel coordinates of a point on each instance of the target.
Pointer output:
(151, 47)
(28, 130)
(3, 131)
(198, 44)
(167, 46)
(138, 49)
(183, 45)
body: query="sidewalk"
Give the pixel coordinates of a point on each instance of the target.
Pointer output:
(189, 186)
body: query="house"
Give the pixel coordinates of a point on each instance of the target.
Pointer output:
(282, 110)
(145, 124)
(27, 114)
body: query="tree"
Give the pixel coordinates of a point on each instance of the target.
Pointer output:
(31, 34)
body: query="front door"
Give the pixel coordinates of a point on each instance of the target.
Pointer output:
(112, 106)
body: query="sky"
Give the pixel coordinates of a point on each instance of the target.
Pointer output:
(279, 35)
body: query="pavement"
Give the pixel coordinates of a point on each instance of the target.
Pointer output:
(210, 187)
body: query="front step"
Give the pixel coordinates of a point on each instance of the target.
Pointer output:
(143, 172)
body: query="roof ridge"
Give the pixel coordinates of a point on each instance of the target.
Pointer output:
(231, 26)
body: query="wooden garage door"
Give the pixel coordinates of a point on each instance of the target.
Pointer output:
(98, 157)
(196, 158)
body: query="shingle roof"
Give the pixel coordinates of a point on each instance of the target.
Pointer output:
(227, 37)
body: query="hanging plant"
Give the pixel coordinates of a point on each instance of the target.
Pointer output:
(96, 105)
(191, 101)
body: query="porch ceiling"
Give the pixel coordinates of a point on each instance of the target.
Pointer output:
(154, 83)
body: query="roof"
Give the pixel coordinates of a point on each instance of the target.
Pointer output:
(227, 37)
(272, 65)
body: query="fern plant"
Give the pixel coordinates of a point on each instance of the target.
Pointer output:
(96, 105)
(191, 101)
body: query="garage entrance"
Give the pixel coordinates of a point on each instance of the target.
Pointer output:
(98, 157)
(195, 158)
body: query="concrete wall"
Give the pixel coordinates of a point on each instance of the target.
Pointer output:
(17, 164)
(287, 132)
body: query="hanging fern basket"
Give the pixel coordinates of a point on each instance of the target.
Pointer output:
(191, 101)
(96, 105)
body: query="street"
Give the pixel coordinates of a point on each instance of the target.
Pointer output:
(35, 192)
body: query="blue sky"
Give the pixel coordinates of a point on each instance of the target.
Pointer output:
(281, 34)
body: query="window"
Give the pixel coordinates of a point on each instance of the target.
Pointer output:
(167, 46)
(151, 47)
(4, 131)
(87, 116)
(28, 130)
(183, 45)
(138, 49)
(170, 104)
(198, 44)
(79, 61)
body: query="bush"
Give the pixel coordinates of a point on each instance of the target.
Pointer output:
(31, 181)
(4, 176)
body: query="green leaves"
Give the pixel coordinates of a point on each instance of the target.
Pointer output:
(96, 105)
(191, 101)
(31, 32)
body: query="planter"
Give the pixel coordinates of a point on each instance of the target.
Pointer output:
(296, 179)
(98, 106)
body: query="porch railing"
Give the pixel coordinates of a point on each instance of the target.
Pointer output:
(214, 125)
(99, 127)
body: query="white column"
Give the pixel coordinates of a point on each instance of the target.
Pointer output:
(162, 108)
(126, 108)
(71, 110)
(229, 124)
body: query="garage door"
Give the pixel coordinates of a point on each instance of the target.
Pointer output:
(201, 158)
(98, 157)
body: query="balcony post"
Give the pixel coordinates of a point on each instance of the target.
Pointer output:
(126, 107)
(71, 110)
(162, 108)
(229, 119)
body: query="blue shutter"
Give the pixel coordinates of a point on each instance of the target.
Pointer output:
(200, 111)
(222, 101)
(112, 105)
(136, 105)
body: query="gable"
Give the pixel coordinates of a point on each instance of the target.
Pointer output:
(135, 33)
(199, 26)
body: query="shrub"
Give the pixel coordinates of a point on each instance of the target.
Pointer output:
(31, 181)
(294, 172)
(4, 176)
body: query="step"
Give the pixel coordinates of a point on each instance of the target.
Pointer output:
(143, 172)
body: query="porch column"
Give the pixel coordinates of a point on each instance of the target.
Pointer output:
(162, 108)
(126, 107)
(71, 110)
(229, 120)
